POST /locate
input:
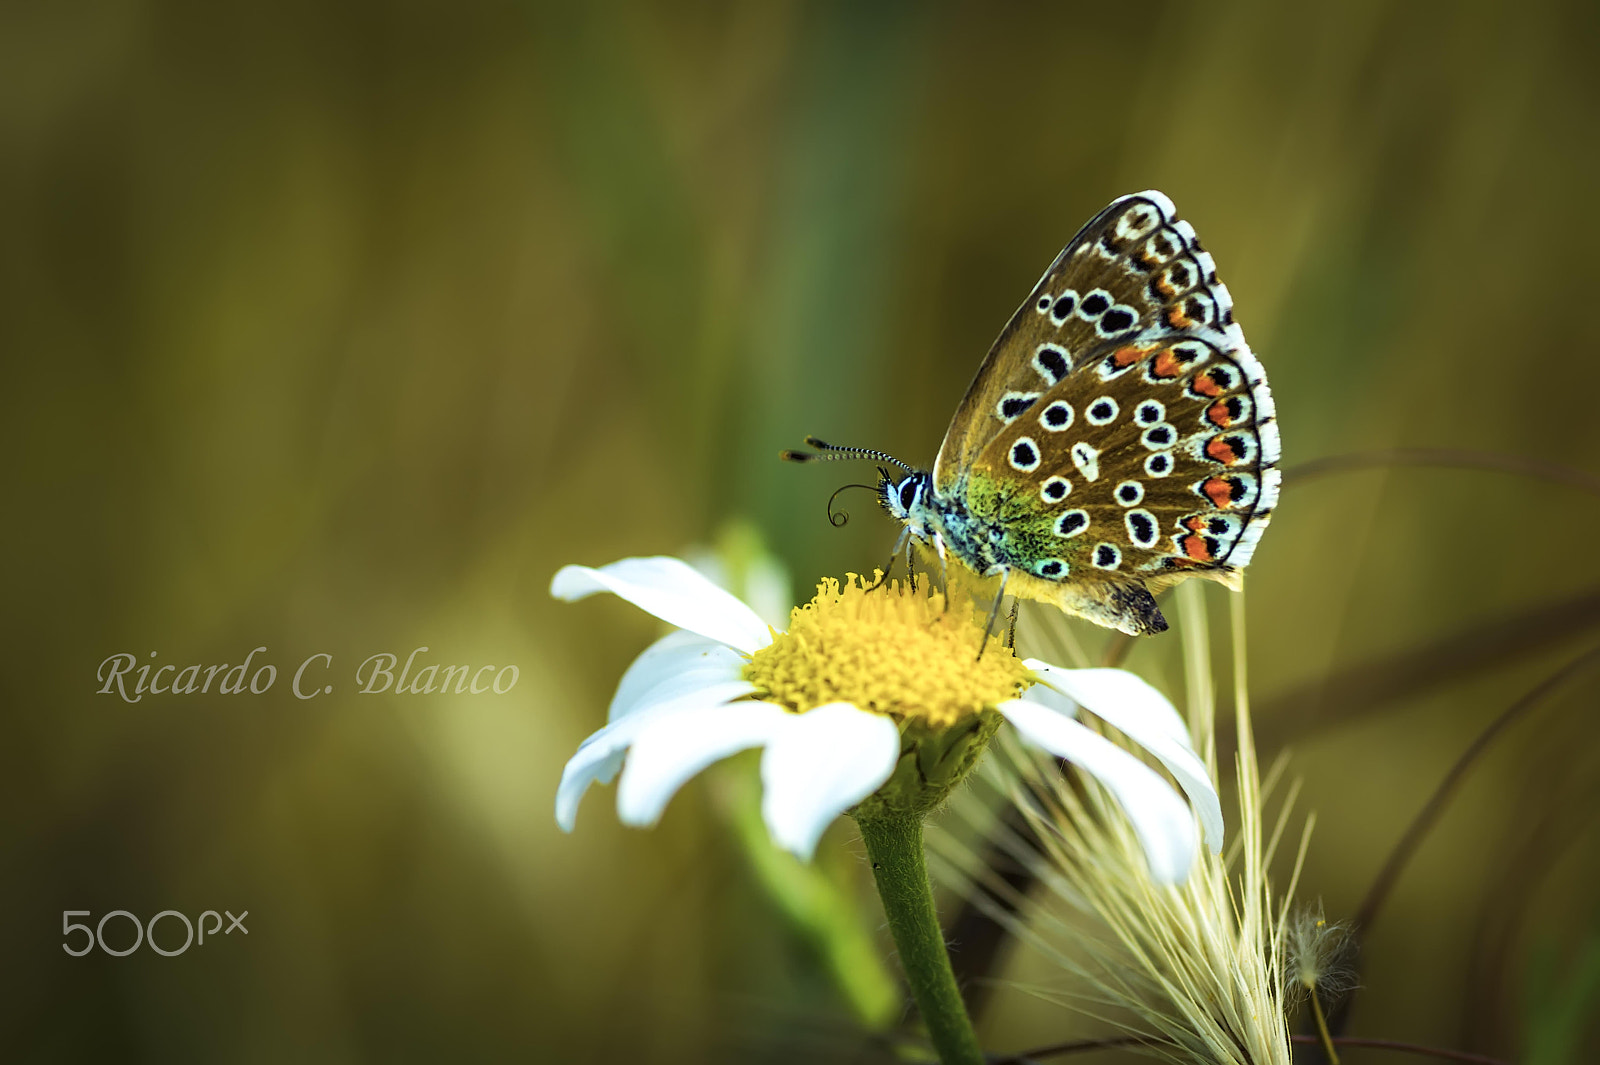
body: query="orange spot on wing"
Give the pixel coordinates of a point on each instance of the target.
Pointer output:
(1219, 491)
(1206, 385)
(1125, 357)
(1166, 365)
(1195, 548)
(1222, 451)
(1177, 319)
(1219, 415)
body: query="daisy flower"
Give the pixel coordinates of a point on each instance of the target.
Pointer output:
(871, 703)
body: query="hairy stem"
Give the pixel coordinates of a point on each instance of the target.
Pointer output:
(1322, 1029)
(894, 844)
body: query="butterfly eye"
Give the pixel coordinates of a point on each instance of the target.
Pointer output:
(908, 493)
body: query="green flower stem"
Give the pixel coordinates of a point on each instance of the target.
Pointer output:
(894, 843)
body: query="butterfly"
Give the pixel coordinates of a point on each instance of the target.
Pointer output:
(1119, 436)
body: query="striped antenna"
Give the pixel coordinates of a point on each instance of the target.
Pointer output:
(827, 452)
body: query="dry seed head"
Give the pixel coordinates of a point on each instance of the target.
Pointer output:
(1195, 969)
(1317, 955)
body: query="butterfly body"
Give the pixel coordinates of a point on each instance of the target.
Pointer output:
(986, 527)
(1119, 437)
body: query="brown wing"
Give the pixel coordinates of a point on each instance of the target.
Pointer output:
(1116, 280)
(1155, 461)
(1121, 426)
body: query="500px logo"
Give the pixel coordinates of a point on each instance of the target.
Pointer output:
(144, 933)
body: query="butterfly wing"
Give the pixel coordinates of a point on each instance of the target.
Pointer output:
(1120, 429)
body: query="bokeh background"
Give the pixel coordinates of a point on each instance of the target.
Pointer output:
(337, 328)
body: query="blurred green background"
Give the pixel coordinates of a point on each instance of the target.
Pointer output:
(337, 328)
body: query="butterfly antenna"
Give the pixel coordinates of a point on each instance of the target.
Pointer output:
(827, 452)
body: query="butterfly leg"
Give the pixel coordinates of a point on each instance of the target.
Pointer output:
(889, 566)
(994, 611)
(1011, 628)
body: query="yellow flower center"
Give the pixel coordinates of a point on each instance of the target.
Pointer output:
(893, 651)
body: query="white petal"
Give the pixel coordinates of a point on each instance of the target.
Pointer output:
(1045, 695)
(674, 665)
(1094, 687)
(673, 591)
(674, 747)
(1128, 703)
(600, 756)
(1159, 817)
(764, 580)
(818, 765)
